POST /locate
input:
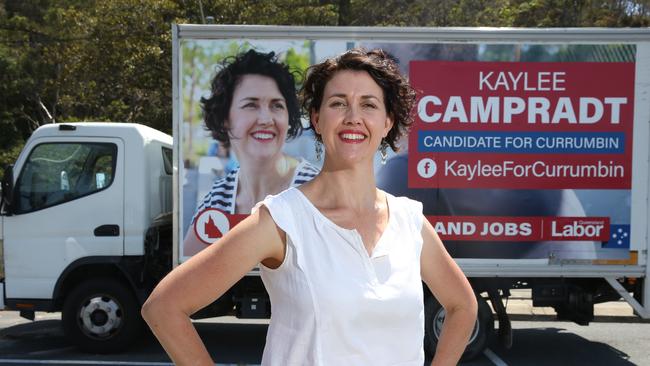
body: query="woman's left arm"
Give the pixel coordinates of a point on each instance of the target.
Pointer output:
(451, 288)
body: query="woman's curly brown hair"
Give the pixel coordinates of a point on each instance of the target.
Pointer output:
(217, 106)
(399, 96)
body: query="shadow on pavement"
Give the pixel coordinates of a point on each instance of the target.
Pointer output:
(234, 343)
(44, 339)
(31, 338)
(243, 344)
(557, 346)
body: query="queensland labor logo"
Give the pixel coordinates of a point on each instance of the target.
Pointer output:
(210, 225)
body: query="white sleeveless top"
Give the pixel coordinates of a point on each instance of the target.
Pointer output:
(332, 304)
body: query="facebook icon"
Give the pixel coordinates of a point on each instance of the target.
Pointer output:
(427, 168)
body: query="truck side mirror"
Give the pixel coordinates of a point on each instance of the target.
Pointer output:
(7, 191)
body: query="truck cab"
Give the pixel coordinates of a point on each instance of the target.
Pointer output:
(77, 209)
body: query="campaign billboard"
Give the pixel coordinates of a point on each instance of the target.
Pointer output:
(518, 150)
(538, 125)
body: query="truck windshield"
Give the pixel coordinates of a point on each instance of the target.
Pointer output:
(60, 172)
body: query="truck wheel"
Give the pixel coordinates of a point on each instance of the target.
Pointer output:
(434, 317)
(101, 316)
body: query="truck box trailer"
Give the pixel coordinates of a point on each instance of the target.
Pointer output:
(529, 152)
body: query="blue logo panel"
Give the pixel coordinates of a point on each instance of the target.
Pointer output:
(521, 142)
(619, 237)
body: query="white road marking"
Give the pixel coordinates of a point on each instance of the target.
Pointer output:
(49, 351)
(494, 358)
(94, 362)
(80, 362)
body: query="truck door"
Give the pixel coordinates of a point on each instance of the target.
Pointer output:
(69, 204)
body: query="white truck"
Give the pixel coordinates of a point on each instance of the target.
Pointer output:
(88, 225)
(79, 230)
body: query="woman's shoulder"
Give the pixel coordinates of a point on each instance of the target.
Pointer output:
(282, 207)
(404, 202)
(406, 207)
(286, 197)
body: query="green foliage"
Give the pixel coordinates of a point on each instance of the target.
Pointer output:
(8, 156)
(271, 12)
(76, 60)
(73, 60)
(298, 62)
(502, 13)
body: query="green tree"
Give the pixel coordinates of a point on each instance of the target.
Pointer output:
(72, 60)
(580, 13)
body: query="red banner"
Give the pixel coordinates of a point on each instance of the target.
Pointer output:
(522, 125)
(496, 228)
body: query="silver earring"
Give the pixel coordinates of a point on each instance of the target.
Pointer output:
(319, 149)
(383, 152)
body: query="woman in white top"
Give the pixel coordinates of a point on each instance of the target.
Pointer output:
(252, 109)
(342, 261)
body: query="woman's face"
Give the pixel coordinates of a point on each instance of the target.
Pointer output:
(352, 118)
(258, 119)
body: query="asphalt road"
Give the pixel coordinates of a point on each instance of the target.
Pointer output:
(236, 342)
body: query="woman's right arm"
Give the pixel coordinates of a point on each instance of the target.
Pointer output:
(203, 279)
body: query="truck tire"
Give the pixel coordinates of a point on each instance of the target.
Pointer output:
(434, 317)
(101, 316)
